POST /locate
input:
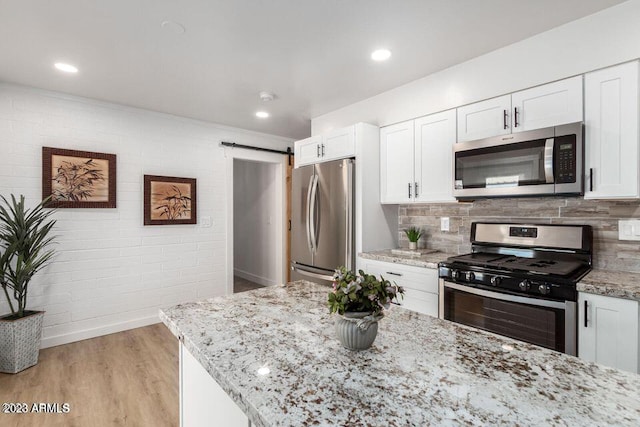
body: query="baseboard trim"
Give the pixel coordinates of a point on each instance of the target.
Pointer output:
(254, 277)
(97, 332)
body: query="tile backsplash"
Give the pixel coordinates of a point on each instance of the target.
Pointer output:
(603, 215)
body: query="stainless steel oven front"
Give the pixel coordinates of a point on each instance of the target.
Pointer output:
(550, 324)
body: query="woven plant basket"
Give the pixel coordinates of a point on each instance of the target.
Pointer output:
(20, 342)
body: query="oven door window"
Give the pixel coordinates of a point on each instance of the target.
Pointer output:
(510, 165)
(543, 326)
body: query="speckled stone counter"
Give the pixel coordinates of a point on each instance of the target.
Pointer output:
(420, 371)
(430, 260)
(612, 283)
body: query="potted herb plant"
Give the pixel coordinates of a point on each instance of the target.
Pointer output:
(24, 241)
(360, 300)
(413, 234)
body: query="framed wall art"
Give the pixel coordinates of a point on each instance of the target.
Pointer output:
(169, 200)
(78, 179)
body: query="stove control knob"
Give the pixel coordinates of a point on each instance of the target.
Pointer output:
(496, 280)
(469, 276)
(544, 289)
(455, 274)
(525, 285)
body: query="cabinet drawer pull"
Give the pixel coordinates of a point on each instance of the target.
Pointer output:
(590, 180)
(394, 274)
(409, 184)
(586, 308)
(515, 117)
(318, 150)
(322, 150)
(506, 126)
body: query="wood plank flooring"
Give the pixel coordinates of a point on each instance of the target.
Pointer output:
(125, 379)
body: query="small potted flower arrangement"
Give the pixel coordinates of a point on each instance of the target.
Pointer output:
(360, 300)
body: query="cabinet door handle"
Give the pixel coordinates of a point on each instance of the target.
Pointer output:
(318, 150)
(590, 180)
(409, 185)
(504, 119)
(586, 311)
(515, 117)
(415, 189)
(394, 274)
(322, 150)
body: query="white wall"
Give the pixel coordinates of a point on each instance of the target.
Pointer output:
(596, 41)
(254, 220)
(112, 273)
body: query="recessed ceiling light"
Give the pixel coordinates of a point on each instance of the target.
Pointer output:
(381, 54)
(267, 96)
(172, 26)
(67, 68)
(262, 114)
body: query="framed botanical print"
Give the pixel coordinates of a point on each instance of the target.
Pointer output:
(78, 179)
(169, 200)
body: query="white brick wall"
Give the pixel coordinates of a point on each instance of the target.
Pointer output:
(111, 273)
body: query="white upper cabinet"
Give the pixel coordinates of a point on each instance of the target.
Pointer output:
(609, 333)
(543, 106)
(435, 136)
(307, 151)
(337, 144)
(396, 163)
(547, 105)
(611, 133)
(484, 119)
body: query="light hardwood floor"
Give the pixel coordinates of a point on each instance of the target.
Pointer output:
(125, 379)
(243, 285)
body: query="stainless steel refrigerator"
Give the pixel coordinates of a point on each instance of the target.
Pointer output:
(322, 220)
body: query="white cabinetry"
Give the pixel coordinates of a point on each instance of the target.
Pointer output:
(202, 400)
(416, 159)
(420, 284)
(543, 106)
(484, 119)
(609, 333)
(611, 133)
(396, 163)
(337, 144)
(547, 105)
(433, 165)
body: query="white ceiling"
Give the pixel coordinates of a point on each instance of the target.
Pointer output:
(313, 54)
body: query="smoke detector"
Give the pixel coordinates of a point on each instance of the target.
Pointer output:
(266, 96)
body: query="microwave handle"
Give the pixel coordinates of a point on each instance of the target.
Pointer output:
(548, 160)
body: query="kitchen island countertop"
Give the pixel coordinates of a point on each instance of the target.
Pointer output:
(274, 352)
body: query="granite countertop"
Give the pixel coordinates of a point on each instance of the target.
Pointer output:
(420, 371)
(611, 283)
(429, 260)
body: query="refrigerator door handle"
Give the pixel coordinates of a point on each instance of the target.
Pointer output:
(349, 239)
(313, 215)
(308, 221)
(316, 273)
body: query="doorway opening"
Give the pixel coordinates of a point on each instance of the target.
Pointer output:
(257, 226)
(254, 225)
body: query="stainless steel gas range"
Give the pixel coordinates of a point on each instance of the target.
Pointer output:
(519, 281)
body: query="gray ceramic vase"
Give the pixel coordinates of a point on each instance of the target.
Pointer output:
(355, 332)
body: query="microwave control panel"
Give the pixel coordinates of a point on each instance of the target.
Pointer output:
(565, 167)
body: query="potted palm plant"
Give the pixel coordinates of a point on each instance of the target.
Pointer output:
(24, 241)
(413, 234)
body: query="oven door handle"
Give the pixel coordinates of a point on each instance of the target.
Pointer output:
(548, 160)
(506, 297)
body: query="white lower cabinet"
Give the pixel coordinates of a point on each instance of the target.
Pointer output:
(609, 333)
(420, 284)
(203, 403)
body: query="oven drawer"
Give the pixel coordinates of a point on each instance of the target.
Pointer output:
(549, 324)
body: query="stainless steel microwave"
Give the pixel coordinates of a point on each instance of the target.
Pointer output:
(541, 162)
